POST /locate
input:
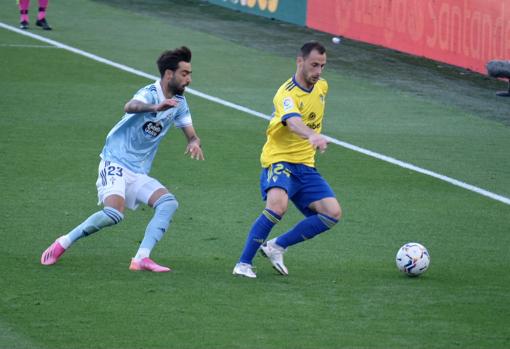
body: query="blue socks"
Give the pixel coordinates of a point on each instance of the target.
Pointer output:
(258, 234)
(306, 229)
(99, 220)
(164, 208)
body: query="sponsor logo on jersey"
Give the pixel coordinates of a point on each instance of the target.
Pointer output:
(314, 125)
(152, 129)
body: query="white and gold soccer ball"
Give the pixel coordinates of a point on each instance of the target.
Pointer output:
(413, 259)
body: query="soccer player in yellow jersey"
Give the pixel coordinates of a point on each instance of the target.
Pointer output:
(288, 161)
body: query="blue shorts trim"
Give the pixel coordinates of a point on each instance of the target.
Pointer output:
(303, 184)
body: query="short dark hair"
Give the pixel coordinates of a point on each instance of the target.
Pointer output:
(308, 47)
(170, 59)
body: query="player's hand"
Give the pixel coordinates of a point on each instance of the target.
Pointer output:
(166, 104)
(194, 151)
(318, 141)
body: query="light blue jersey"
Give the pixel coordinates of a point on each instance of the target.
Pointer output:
(134, 140)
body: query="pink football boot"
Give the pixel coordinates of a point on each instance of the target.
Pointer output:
(52, 254)
(147, 264)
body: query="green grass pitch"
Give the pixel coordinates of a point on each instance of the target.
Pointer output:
(343, 290)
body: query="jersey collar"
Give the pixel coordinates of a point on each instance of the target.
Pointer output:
(161, 95)
(301, 87)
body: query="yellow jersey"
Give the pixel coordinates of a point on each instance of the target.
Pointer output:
(292, 100)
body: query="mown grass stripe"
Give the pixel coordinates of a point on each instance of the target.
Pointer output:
(223, 102)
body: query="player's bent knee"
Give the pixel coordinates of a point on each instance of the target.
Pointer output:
(280, 208)
(337, 214)
(115, 202)
(333, 211)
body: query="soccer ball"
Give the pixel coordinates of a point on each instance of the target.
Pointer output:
(413, 259)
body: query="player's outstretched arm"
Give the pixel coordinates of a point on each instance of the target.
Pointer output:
(193, 149)
(135, 106)
(317, 140)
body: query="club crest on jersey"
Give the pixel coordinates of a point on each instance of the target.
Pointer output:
(288, 104)
(152, 129)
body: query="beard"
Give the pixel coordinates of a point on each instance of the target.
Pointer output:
(312, 80)
(179, 90)
(175, 88)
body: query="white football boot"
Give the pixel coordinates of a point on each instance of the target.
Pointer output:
(244, 269)
(274, 253)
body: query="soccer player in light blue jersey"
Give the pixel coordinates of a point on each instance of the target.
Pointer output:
(126, 159)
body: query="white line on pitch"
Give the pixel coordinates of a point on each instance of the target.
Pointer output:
(27, 46)
(389, 159)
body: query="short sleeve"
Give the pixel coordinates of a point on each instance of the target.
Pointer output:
(144, 95)
(286, 106)
(183, 115)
